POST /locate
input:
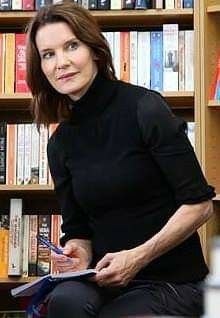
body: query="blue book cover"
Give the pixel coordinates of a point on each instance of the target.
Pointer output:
(187, 3)
(142, 4)
(156, 60)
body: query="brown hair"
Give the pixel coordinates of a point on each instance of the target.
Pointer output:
(47, 104)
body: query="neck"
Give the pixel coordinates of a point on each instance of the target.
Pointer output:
(76, 96)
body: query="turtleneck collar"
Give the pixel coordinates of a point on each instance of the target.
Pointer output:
(94, 101)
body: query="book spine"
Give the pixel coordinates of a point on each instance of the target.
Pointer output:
(170, 57)
(189, 60)
(93, 5)
(35, 154)
(117, 54)
(43, 164)
(20, 154)
(43, 253)
(55, 235)
(188, 3)
(32, 243)
(3, 141)
(5, 5)
(2, 62)
(25, 245)
(142, 4)
(156, 60)
(15, 238)
(125, 56)
(4, 242)
(191, 132)
(16, 4)
(116, 5)
(181, 60)
(85, 4)
(169, 4)
(20, 64)
(133, 57)
(11, 156)
(103, 4)
(128, 4)
(178, 4)
(28, 5)
(144, 59)
(27, 153)
(9, 62)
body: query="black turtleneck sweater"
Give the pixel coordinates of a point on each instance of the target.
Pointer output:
(122, 166)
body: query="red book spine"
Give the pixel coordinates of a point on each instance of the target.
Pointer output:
(20, 64)
(28, 5)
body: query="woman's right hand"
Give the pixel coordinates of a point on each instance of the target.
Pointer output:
(74, 258)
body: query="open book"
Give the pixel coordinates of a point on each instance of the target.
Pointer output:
(32, 288)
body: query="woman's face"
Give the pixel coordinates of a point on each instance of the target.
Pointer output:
(68, 64)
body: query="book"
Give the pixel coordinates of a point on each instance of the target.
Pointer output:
(32, 288)
(9, 63)
(187, 3)
(4, 240)
(3, 142)
(15, 238)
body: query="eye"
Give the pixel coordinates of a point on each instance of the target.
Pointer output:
(73, 45)
(47, 55)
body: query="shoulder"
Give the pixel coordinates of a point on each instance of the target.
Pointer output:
(57, 139)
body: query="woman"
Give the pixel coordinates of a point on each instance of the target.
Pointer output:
(131, 191)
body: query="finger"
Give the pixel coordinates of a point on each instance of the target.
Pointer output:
(104, 262)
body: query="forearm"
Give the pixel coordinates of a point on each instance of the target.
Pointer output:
(186, 220)
(85, 244)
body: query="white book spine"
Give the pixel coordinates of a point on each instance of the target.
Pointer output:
(35, 154)
(181, 60)
(43, 164)
(25, 249)
(16, 4)
(133, 57)
(85, 4)
(144, 59)
(169, 4)
(20, 154)
(27, 153)
(110, 38)
(189, 60)
(117, 54)
(191, 132)
(15, 238)
(170, 57)
(116, 5)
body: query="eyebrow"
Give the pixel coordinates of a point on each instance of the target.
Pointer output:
(65, 44)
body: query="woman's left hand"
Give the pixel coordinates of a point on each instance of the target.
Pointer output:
(117, 269)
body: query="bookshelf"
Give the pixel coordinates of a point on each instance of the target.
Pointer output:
(204, 19)
(210, 111)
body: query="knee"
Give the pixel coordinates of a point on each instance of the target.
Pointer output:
(64, 300)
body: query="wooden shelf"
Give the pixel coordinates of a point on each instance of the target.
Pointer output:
(16, 280)
(19, 101)
(26, 188)
(214, 103)
(213, 8)
(217, 197)
(113, 18)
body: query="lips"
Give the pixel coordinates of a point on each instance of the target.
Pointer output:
(66, 76)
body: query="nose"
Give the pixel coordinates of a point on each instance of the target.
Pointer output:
(62, 60)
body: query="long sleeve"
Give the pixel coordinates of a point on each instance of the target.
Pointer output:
(165, 136)
(75, 223)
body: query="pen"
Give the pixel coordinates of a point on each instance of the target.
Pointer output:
(50, 245)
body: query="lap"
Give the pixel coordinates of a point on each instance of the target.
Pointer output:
(155, 298)
(138, 298)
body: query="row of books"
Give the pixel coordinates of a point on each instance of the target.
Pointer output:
(215, 85)
(21, 254)
(23, 154)
(159, 60)
(30, 5)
